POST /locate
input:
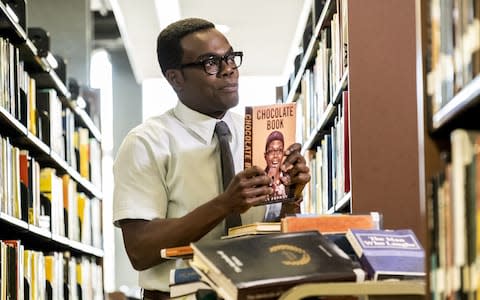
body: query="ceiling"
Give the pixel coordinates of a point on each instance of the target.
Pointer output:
(265, 30)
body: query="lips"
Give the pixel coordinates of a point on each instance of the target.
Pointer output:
(231, 87)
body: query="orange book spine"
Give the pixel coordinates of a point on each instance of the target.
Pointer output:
(176, 251)
(328, 223)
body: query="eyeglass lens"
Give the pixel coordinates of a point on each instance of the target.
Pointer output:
(213, 64)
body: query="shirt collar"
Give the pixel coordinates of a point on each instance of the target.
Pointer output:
(201, 124)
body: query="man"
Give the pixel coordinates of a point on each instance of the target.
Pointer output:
(168, 183)
(274, 159)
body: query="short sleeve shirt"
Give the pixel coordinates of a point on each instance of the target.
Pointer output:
(170, 165)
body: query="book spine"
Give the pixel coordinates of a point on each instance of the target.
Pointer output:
(176, 251)
(248, 146)
(184, 275)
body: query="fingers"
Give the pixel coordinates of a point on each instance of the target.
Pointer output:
(293, 148)
(252, 172)
(249, 187)
(295, 167)
(293, 156)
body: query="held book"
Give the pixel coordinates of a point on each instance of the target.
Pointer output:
(264, 266)
(269, 130)
(388, 253)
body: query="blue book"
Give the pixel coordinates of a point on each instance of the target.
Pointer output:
(388, 253)
(183, 275)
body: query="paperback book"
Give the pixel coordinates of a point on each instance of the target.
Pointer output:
(264, 266)
(269, 130)
(254, 228)
(387, 254)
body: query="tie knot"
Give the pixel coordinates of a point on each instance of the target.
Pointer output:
(221, 129)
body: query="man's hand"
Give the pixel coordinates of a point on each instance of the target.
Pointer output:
(295, 169)
(247, 188)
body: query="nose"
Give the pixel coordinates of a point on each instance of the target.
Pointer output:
(225, 68)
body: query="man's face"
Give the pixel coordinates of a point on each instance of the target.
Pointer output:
(212, 95)
(274, 155)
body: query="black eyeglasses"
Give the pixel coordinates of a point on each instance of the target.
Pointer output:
(213, 64)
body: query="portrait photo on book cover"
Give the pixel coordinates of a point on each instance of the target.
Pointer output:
(274, 155)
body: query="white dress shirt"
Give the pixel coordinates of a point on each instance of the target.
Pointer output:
(170, 165)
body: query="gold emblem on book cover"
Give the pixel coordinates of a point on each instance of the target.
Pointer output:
(294, 255)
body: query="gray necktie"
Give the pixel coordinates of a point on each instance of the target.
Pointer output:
(228, 169)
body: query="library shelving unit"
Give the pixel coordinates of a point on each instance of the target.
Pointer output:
(449, 100)
(355, 84)
(50, 185)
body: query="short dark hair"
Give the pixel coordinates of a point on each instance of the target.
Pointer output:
(274, 136)
(169, 50)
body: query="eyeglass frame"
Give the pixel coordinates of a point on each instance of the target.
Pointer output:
(219, 59)
(274, 151)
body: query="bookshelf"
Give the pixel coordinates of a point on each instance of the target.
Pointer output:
(355, 81)
(50, 186)
(449, 100)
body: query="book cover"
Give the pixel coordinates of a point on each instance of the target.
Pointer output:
(388, 253)
(336, 223)
(264, 266)
(254, 228)
(269, 130)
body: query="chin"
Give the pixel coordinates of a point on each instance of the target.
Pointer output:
(230, 103)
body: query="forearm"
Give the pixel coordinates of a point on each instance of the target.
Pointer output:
(144, 239)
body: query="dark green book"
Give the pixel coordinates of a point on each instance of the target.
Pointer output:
(263, 267)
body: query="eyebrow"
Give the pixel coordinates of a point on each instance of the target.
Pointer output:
(210, 54)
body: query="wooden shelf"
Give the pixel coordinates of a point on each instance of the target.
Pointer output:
(10, 123)
(19, 224)
(461, 111)
(10, 26)
(40, 232)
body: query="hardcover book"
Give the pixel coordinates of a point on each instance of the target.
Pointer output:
(185, 281)
(388, 253)
(264, 266)
(183, 275)
(336, 223)
(269, 130)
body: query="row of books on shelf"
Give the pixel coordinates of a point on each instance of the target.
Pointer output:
(453, 48)
(31, 274)
(322, 59)
(329, 162)
(41, 197)
(264, 260)
(47, 117)
(454, 226)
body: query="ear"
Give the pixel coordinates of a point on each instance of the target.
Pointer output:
(175, 78)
